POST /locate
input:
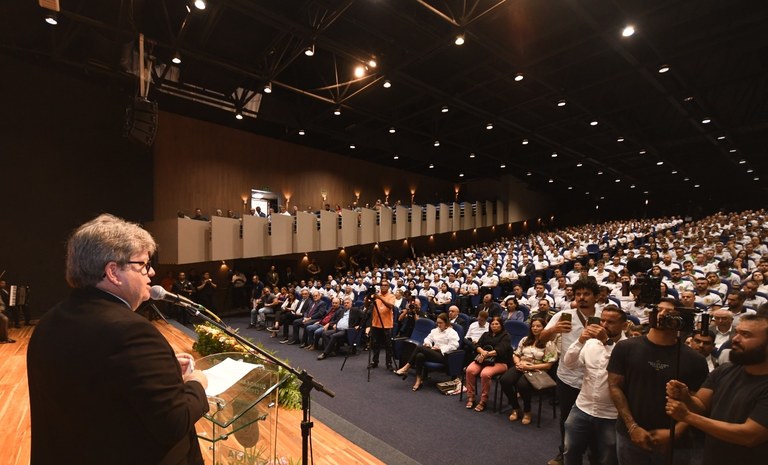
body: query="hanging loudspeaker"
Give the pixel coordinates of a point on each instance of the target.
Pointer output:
(141, 121)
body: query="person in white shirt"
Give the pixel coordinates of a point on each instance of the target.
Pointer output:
(703, 296)
(591, 423)
(438, 342)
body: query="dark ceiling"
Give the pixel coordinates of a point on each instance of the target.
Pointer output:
(650, 133)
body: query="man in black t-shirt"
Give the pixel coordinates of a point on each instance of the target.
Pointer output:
(731, 408)
(638, 372)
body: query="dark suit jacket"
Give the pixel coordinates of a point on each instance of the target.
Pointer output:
(105, 387)
(317, 313)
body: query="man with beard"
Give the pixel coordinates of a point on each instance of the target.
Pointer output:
(731, 407)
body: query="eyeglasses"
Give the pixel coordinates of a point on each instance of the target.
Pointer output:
(147, 265)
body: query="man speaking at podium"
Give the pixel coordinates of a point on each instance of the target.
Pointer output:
(105, 387)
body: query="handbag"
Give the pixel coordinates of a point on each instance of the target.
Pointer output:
(486, 362)
(540, 380)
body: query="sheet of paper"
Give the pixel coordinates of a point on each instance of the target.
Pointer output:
(225, 374)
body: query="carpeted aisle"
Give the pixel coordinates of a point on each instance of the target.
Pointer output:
(402, 427)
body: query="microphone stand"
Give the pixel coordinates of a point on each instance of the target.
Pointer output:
(308, 382)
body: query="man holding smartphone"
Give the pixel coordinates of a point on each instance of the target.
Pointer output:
(570, 324)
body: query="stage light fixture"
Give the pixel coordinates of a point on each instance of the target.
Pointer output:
(519, 77)
(628, 31)
(52, 18)
(200, 4)
(310, 51)
(268, 88)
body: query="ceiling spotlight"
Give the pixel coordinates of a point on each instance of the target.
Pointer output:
(659, 163)
(674, 171)
(392, 130)
(706, 121)
(519, 77)
(720, 137)
(570, 188)
(396, 157)
(444, 109)
(617, 180)
(200, 4)
(359, 71)
(620, 139)
(663, 69)
(238, 114)
(461, 175)
(632, 186)
(431, 166)
(750, 170)
(352, 146)
(599, 173)
(337, 111)
(489, 126)
(551, 180)
(756, 178)
(554, 154)
(593, 123)
(686, 179)
(628, 31)
(459, 40)
(472, 155)
(528, 173)
(579, 165)
(732, 151)
(310, 51)
(642, 152)
(302, 132)
(688, 99)
(387, 84)
(268, 88)
(176, 60)
(525, 141)
(502, 166)
(52, 18)
(742, 161)
(372, 63)
(586, 193)
(697, 185)
(436, 143)
(561, 103)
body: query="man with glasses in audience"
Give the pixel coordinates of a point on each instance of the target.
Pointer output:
(98, 370)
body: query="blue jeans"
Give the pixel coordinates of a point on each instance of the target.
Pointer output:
(630, 454)
(582, 432)
(310, 332)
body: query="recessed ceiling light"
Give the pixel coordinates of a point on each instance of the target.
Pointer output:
(732, 151)
(176, 60)
(686, 179)
(750, 170)
(268, 88)
(570, 188)
(742, 161)
(579, 165)
(396, 157)
(352, 146)
(599, 173)
(301, 132)
(528, 173)
(444, 109)
(642, 152)
(586, 193)
(706, 121)
(602, 197)
(461, 175)
(489, 126)
(697, 185)
(502, 166)
(436, 143)
(392, 130)
(525, 142)
(756, 178)
(387, 84)
(472, 155)
(659, 163)
(620, 139)
(663, 69)
(554, 154)
(617, 180)
(561, 103)
(551, 180)
(519, 77)
(359, 71)
(645, 192)
(688, 99)
(431, 166)
(632, 186)
(310, 51)
(459, 40)
(674, 171)
(628, 31)
(337, 111)
(593, 123)
(52, 18)
(720, 137)
(200, 4)
(238, 115)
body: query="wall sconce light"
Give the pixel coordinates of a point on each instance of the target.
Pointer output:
(324, 195)
(357, 196)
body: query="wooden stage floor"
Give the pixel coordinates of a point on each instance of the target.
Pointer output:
(330, 447)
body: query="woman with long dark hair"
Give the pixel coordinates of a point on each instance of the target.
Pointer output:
(531, 355)
(494, 343)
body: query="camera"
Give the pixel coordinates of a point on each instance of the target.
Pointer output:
(370, 292)
(683, 320)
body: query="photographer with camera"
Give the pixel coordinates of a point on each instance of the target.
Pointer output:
(638, 371)
(382, 321)
(408, 316)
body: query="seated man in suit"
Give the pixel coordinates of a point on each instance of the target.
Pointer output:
(315, 311)
(336, 332)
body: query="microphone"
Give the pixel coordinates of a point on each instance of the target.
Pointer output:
(158, 293)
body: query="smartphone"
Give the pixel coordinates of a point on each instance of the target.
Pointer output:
(593, 320)
(566, 317)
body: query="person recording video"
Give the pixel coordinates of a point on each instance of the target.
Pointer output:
(407, 317)
(382, 321)
(638, 371)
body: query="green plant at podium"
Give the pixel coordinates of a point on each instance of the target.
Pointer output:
(211, 340)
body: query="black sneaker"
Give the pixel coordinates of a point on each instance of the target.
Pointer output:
(290, 343)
